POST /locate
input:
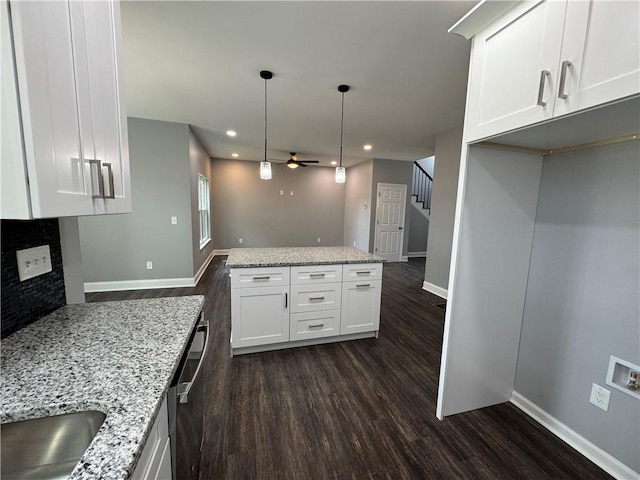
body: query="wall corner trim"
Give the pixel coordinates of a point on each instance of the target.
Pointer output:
(594, 453)
(435, 289)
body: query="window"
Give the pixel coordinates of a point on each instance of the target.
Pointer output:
(203, 210)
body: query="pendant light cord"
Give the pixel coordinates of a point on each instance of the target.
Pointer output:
(341, 127)
(265, 119)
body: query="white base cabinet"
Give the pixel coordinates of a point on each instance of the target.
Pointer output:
(282, 307)
(155, 460)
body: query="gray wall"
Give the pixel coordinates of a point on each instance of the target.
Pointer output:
(357, 218)
(418, 231)
(116, 247)
(200, 163)
(252, 209)
(391, 171)
(443, 207)
(582, 302)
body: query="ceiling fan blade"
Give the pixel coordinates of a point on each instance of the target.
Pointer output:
(302, 164)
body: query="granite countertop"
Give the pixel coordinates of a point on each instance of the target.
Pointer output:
(289, 256)
(116, 357)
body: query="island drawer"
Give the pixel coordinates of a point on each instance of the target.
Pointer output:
(259, 277)
(356, 272)
(309, 274)
(311, 298)
(314, 324)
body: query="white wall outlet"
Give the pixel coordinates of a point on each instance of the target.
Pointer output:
(365, 205)
(291, 193)
(281, 192)
(600, 397)
(174, 220)
(33, 262)
(354, 243)
(149, 265)
(240, 240)
(318, 239)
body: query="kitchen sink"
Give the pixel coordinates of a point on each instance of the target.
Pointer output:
(47, 447)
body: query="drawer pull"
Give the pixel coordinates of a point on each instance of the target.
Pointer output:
(261, 277)
(365, 272)
(362, 285)
(316, 275)
(311, 299)
(316, 325)
(563, 78)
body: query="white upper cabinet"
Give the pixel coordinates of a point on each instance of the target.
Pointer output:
(71, 101)
(513, 69)
(543, 59)
(600, 58)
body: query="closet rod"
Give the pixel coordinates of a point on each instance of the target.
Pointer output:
(571, 148)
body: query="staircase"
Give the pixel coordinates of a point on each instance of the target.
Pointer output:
(421, 190)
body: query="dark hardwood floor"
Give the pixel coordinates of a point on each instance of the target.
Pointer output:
(359, 409)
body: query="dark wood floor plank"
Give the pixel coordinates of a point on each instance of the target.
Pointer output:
(357, 410)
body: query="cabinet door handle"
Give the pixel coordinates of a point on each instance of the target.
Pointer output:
(563, 78)
(112, 193)
(316, 325)
(315, 298)
(362, 285)
(318, 275)
(98, 164)
(543, 77)
(261, 277)
(366, 272)
(286, 300)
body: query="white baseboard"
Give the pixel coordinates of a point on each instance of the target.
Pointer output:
(594, 453)
(416, 254)
(121, 285)
(404, 258)
(203, 267)
(118, 286)
(435, 289)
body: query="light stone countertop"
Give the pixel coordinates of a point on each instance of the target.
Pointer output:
(290, 256)
(116, 357)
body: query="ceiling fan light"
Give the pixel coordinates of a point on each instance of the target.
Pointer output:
(341, 174)
(292, 165)
(265, 170)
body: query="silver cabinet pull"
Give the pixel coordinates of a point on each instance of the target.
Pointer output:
(286, 300)
(366, 272)
(563, 78)
(543, 77)
(98, 164)
(315, 298)
(316, 275)
(112, 193)
(316, 325)
(261, 277)
(362, 285)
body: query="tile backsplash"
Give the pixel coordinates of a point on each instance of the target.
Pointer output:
(25, 302)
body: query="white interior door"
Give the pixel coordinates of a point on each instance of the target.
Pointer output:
(390, 212)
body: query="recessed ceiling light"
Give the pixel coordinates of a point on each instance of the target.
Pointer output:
(333, 162)
(235, 155)
(368, 147)
(231, 133)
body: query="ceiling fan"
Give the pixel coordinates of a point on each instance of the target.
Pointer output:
(293, 162)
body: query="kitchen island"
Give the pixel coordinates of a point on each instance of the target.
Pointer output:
(115, 357)
(298, 296)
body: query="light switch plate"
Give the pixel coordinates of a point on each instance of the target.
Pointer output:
(174, 220)
(33, 262)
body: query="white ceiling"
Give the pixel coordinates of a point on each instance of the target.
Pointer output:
(199, 63)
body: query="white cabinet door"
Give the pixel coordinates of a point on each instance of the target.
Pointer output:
(360, 306)
(600, 54)
(259, 316)
(72, 107)
(513, 69)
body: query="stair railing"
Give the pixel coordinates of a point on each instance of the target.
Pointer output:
(422, 185)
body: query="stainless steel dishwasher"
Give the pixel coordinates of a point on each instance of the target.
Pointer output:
(186, 406)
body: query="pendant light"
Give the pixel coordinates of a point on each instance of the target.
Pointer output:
(265, 165)
(341, 172)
